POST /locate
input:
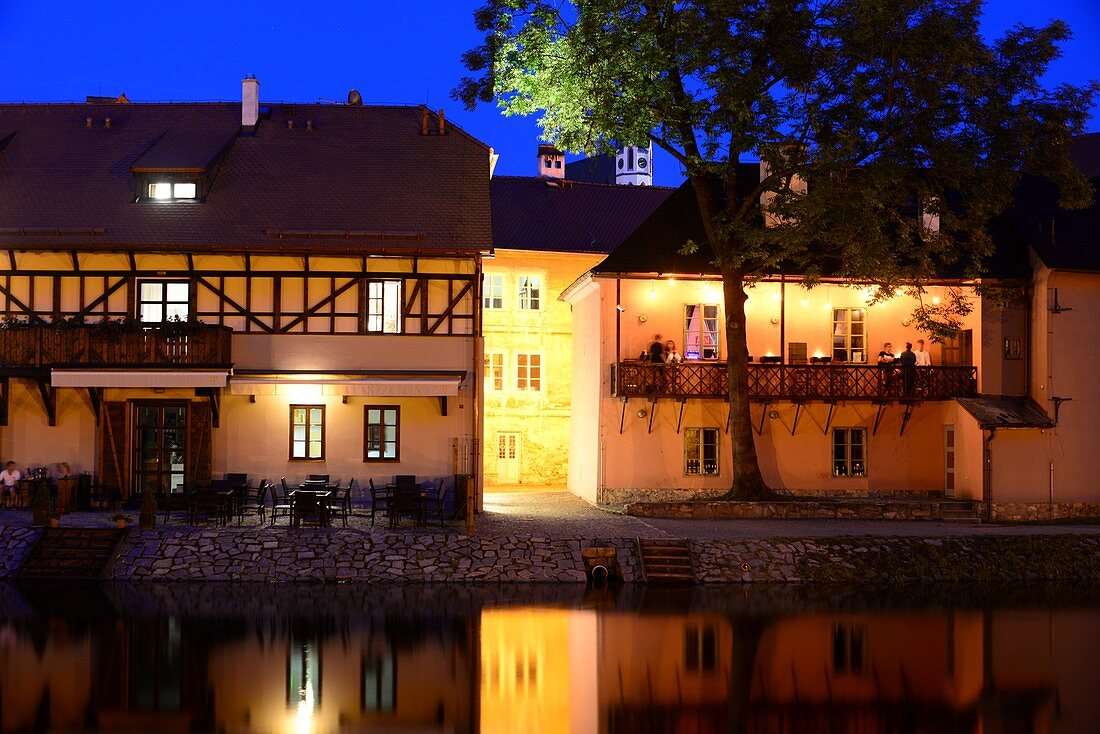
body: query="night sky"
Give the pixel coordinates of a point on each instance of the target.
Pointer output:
(392, 52)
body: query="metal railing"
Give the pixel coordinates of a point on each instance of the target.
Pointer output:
(826, 382)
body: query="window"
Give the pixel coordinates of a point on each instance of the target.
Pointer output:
(381, 433)
(384, 306)
(849, 646)
(700, 648)
(492, 290)
(849, 452)
(701, 331)
(307, 433)
(378, 684)
(530, 292)
(1012, 348)
(529, 371)
(701, 451)
(849, 335)
(161, 300)
(494, 371)
(167, 191)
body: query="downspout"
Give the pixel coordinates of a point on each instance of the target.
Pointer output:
(782, 316)
(987, 472)
(477, 426)
(618, 319)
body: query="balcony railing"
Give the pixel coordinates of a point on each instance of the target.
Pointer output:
(41, 347)
(826, 382)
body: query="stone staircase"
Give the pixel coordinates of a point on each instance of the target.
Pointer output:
(960, 511)
(70, 554)
(666, 561)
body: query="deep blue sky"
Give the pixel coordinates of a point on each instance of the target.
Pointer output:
(391, 51)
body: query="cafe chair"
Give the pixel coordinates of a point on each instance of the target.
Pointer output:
(340, 502)
(280, 503)
(379, 500)
(307, 505)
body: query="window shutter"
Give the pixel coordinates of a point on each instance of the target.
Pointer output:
(113, 442)
(198, 442)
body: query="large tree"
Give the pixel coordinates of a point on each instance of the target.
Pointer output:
(886, 109)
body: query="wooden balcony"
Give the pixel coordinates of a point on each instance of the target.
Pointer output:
(799, 382)
(31, 349)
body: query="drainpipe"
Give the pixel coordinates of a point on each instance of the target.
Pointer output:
(783, 316)
(987, 472)
(618, 319)
(1050, 500)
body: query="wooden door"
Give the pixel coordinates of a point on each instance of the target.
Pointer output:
(959, 350)
(508, 450)
(949, 461)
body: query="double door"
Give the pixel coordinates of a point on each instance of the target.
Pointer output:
(159, 446)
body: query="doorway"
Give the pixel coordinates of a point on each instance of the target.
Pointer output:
(949, 461)
(508, 455)
(959, 349)
(159, 446)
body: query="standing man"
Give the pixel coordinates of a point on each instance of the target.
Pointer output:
(9, 479)
(908, 360)
(924, 359)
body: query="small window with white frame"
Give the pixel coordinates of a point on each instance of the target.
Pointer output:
(849, 452)
(492, 291)
(530, 292)
(494, 371)
(701, 331)
(701, 452)
(384, 306)
(163, 300)
(529, 372)
(850, 335)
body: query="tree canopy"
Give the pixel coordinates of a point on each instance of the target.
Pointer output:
(869, 116)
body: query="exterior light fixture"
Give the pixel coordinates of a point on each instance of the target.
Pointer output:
(935, 300)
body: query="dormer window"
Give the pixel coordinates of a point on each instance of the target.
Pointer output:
(168, 191)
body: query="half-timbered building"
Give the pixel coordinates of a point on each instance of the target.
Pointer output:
(271, 289)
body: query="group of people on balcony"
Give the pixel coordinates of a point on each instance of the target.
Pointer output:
(662, 352)
(907, 361)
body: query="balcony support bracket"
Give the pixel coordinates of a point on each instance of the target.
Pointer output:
(652, 412)
(49, 398)
(763, 415)
(95, 396)
(622, 418)
(680, 420)
(4, 388)
(214, 394)
(442, 405)
(797, 412)
(878, 417)
(905, 417)
(829, 418)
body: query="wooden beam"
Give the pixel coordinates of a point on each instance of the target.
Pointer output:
(34, 317)
(763, 415)
(622, 418)
(878, 417)
(4, 388)
(652, 412)
(330, 298)
(95, 395)
(214, 395)
(680, 419)
(443, 405)
(49, 398)
(11, 261)
(829, 419)
(76, 260)
(905, 417)
(240, 309)
(133, 261)
(102, 298)
(451, 307)
(797, 412)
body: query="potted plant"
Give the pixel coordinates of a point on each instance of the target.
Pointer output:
(54, 520)
(120, 519)
(147, 520)
(41, 504)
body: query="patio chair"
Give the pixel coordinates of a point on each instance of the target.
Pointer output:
(208, 502)
(177, 501)
(280, 504)
(254, 502)
(379, 499)
(238, 479)
(317, 478)
(308, 505)
(406, 502)
(340, 502)
(435, 500)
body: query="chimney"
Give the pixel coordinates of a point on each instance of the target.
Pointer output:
(250, 101)
(795, 182)
(442, 124)
(424, 121)
(551, 162)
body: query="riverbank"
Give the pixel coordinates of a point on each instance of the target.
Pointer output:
(181, 553)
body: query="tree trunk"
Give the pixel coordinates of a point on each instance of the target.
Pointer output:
(748, 484)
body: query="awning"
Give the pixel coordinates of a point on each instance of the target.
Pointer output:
(1003, 411)
(139, 378)
(379, 385)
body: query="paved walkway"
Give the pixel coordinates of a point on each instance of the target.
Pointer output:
(554, 512)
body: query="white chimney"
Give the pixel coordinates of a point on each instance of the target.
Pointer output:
(795, 183)
(551, 162)
(250, 101)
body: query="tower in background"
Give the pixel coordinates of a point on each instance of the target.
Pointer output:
(634, 166)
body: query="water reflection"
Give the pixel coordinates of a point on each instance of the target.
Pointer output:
(117, 659)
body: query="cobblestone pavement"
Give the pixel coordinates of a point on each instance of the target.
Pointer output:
(554, 512)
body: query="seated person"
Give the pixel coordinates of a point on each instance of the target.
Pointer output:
(886, 356)
(671, 356)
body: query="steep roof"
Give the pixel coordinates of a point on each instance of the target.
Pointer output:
(359, 179)
(532, 213)
(595, 169)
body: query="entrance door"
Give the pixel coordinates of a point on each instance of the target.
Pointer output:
(508, 458)
(949, 461)
(160, 446)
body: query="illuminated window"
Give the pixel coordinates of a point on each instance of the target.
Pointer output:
(701, 451)
(307, 433)
(701, 331)
(166, 191)
(381, 433)
(384, 306)
(529, 371)
(849, 648)
(378, 684)
(492, 291)
(700, 648)
(494, 371)
(849, 452)
(530, 292)
(849, 335)
(162, 300)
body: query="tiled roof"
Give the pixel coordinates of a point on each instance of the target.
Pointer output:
(363, 179)
(1002, 411)
(532, 213)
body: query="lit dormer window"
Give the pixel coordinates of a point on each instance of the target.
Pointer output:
(168, 191)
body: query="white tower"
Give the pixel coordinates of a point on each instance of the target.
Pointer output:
(634, 166)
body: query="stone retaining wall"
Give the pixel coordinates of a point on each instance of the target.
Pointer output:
(617, 497)
(15, 543)
(1038, 511)
(864, 509)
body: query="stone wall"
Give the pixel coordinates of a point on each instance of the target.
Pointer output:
(864, 509)
(619, 497)
(1032, 511)
(15, 543)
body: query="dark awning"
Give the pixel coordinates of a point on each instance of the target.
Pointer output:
(1002, 411)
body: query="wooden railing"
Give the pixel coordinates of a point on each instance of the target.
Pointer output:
(36, 347)
(827, 382)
